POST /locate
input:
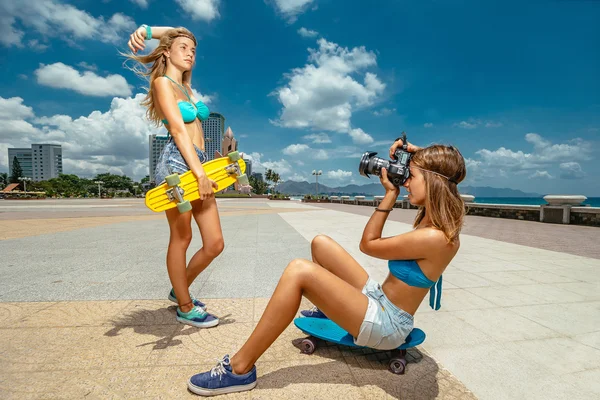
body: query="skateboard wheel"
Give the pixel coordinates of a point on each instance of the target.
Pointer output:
(243, 180)
(234, 156)
(184, 207)
(397, 366)
(308, 346)
(173, 180)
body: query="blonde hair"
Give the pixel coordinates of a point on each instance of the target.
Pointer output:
(443, 169)
(158, 67)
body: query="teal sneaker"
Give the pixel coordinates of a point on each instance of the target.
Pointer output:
(196, 302)
(197, 317)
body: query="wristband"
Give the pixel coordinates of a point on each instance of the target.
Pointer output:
(148, 31)
(379, 209)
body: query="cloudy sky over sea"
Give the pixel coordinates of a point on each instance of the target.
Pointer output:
(312, 84)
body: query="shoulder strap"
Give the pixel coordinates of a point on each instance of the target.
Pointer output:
(180, 87)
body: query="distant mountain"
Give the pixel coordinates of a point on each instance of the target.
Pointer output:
(375, 189)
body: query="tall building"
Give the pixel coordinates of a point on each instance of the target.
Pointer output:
(25, 161)
(214, 130)
(156, 146)
(40, 163)
(248, 167)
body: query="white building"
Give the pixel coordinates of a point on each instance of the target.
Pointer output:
(41, 162)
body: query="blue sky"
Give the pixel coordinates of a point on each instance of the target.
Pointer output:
(312, 84)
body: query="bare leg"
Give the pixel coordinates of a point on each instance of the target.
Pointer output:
(181, 236)
(206, 215)
(330, 255)
(342, 302)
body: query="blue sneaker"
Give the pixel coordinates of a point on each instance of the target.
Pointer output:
(313, 313)
(196, 302)
(197, 317)
(221, 380)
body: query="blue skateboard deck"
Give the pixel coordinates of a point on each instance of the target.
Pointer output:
(329, 331)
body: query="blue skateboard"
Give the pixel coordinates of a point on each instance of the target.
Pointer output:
(326, 329)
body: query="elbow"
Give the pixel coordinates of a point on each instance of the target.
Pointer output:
(363, 246)
(177, 133)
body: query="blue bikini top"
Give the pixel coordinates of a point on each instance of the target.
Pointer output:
(188, 110)
(408, 271)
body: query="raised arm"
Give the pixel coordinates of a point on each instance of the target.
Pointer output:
(137, 38)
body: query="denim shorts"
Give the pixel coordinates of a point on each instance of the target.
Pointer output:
(171, 161)
(385, 326)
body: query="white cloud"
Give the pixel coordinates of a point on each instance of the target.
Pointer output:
(360, 137)
(205, 10)
(294, 149)
(84, 65)
(307, 33)
(141, 3)
(491, 124)
(14, 108)
(541, 174)
(318, 138)
(206, 99)
(339, 174)
(466, 125)
(384, 112)
(428, 125)
(115, 141)
(51, 18)
(322, 94)
(320, 154)
(59, 75)
(571, 170)
(506, 162)
(473, 123)
(290, 9)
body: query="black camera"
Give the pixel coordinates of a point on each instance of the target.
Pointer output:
(397, 170)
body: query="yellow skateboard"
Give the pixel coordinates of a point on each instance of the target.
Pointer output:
(179, 190)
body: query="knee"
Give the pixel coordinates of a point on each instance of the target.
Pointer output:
(182, 239)
(320, 241)
(298, 269)
(214, 247)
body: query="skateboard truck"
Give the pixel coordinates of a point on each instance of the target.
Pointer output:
(175, 192)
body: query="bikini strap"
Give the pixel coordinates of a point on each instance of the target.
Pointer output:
(180, 87)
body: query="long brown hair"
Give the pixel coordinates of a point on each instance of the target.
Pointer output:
(158, 67)
(443, 204)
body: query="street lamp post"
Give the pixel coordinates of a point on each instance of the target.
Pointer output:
(24, 179)
(99, 183)
(316, 174)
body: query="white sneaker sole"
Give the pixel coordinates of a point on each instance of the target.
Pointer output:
(215, 392)
(209, 324)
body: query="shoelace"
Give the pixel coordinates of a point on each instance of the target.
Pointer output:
(219, 369)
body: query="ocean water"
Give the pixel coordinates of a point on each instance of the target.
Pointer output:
(533, 201)
(530, 201)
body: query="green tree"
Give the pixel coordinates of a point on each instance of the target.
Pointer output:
(276, 179)
(3, 180)
(17, 171)
(115, 182)
(258, 186)
(145, 179)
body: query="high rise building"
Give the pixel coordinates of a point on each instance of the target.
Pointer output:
(248, 167)
(24, 157)
(156, 146)
(40, 162)
(214, 130)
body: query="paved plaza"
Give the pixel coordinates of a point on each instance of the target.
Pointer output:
(84, 310)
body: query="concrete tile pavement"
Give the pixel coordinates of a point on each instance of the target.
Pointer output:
(510, 313)
(514, 313)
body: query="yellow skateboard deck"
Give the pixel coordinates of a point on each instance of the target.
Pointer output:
(179, 190)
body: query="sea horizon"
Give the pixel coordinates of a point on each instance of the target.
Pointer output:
(529, 201)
